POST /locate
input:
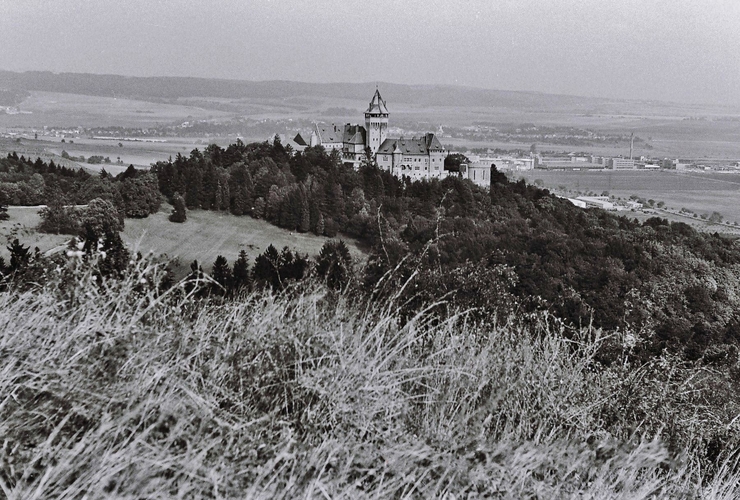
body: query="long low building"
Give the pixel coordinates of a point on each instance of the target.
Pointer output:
(597, 202)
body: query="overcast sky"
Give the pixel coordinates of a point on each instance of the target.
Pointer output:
(680, 50)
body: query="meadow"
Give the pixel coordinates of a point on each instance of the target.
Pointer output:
(207, 234)
(203, 237)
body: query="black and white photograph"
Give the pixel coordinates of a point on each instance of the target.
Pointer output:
(369, 249)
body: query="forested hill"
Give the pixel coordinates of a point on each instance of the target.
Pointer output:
(521, 336)
(510, 248)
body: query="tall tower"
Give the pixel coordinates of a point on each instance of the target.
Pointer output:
(376, 122)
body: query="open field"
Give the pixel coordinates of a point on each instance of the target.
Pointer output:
(22, 225)
(56, 109)
(203, 237)
(206, 234)
(701, 193)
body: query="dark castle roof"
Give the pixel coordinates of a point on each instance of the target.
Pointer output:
(354, 134)
(329, 133)
(414, 146)
(377, 105)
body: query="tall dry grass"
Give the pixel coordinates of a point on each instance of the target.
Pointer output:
(111, 389)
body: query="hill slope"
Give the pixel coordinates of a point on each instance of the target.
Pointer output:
(207, 234)
(167, 88)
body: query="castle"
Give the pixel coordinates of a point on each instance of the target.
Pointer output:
(419, 157)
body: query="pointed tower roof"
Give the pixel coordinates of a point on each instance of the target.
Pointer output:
(377, 104)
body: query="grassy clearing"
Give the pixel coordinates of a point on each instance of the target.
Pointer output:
(203, 237)
(110, 390)
(22, 225)
(207, 234)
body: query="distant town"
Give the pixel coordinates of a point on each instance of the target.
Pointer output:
(417, 155)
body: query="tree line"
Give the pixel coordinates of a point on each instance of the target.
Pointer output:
(133, 193)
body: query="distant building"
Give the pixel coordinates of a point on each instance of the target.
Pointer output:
(677, 164)
(578, 203)
(566, 163)
(597, 202)
(504, 163)
(621, 164)
(419, 157)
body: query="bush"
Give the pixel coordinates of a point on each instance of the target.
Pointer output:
(179, 213)
(57, 218)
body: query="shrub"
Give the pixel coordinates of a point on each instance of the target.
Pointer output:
(179, 212)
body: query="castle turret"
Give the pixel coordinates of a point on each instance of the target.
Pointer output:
(376, 122)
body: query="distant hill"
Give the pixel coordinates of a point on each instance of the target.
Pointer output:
(166, 88)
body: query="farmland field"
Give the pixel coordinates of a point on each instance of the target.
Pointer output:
(55, 109)
(203, 237)
(699, 192)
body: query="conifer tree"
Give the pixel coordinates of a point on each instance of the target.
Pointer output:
(221, 274)
(19, 255)
(3, 206)
(238, 206)
(266, 268)
(241, 278)
(218, 197)
(305, 213)
(334, 264)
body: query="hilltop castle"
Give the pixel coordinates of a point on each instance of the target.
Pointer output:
(418, 157)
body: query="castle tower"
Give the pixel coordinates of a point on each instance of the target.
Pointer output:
(376, 122)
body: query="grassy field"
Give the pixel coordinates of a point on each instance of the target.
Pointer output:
(113, 390)
(73, 110)
(698, 192)
(206, 234)
(22, 225)
(203, 237)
